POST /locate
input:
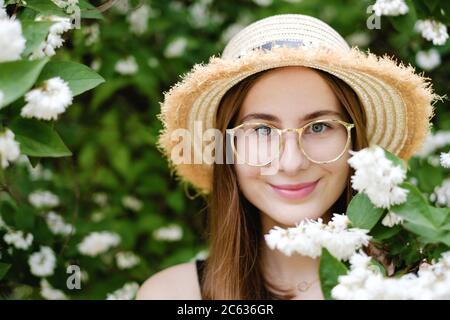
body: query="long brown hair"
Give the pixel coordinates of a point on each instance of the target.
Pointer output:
(233, 269)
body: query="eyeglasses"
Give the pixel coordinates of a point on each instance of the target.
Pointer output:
(321, 141)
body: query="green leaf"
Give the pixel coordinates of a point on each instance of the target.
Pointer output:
(17, 77)
(421, 218)
(432, 4)
(380, 232)
(38, 139)
(362, 213)
(35, 32)
(396, 160)
(329, 270)
(24, 218)
(46, 7)
(4, 268)
(79, 77)
(88, 11)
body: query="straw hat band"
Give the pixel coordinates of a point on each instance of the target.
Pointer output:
(286, 27)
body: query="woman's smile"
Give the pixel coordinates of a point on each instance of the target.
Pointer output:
(294, 191)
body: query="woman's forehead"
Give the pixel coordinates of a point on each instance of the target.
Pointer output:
(290, 93)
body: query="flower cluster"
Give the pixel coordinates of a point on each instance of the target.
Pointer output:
(310, 236)
(12, 41)
(445, 159)
(378, 177)
(432, 30)
(127, 292)
(172, 232)
(54, 39)
(428, 60)
(126, 260)
(43, 199)
(138, 19)
(18, 239)
(127, 66)
(9, 148)
(98, 242)
(390, 7)
(48, 101)
(365, 281)
(57, 225)
(43, 262)
(441, 193)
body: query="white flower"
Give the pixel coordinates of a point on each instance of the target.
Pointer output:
(428, 60)
(263, 3)
(432, 30)
(127, 66)
(433, 142)
(376, 176)
(390, 7)
(202, 255)
(445, 159)
(98, 242)
(122, 6)
(18, 239)
(57, 225)
(38, 172)
(42, 198)
(364, 282)
(3, 14)
(310, 236)
(3, 223)
(42, 263)
(391, 219)
(441, 194)
(100, 198)
(138, 19)
(54, 39)
(127, 292)
(170, 233)
(360, 39)
(49, 101)
(132, 203)
(12, 42)
(96, 64)
(9, 148)
(126, 260)
(176, 48)
(92, 33)
(50, 293)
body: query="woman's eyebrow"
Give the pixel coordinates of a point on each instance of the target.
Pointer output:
(309, 116)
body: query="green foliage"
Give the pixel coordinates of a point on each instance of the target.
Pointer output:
(329, 271)
(103, 148)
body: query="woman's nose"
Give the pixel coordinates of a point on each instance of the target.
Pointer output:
(291, 156)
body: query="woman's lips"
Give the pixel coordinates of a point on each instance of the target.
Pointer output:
(295, 191)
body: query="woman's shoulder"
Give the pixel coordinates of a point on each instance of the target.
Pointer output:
(178, 282)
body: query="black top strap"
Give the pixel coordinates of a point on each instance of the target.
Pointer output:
(200, 264)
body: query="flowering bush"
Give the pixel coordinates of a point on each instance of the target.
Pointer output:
(86, 197)
(407, 239)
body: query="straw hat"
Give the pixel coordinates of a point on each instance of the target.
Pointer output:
(397, 101)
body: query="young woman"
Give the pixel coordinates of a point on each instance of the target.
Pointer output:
(294, 109)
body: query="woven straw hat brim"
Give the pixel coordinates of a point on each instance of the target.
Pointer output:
(398, 102)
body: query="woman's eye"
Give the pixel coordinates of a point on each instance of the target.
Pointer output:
(263, 130)
(318, 127)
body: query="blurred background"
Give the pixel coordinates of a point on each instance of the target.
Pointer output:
(112, 209)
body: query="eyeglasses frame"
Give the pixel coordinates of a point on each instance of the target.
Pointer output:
(281, 132)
